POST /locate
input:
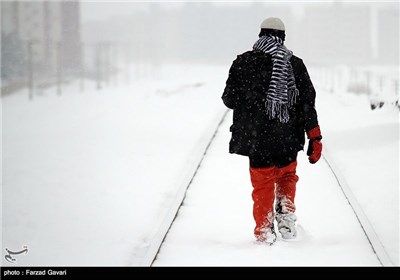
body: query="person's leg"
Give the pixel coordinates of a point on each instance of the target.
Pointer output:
(285, 195)
(263, 181)
(286, 186)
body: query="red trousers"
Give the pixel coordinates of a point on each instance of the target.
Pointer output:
(267, 183)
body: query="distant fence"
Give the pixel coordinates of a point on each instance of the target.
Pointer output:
(381, 84)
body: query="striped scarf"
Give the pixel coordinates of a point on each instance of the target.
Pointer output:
(282, 91)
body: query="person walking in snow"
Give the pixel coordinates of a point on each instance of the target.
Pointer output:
(273, 102)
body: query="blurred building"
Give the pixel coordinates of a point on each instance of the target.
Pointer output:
(388, 35)
(44, 25)
(338, 33)
(70, 35)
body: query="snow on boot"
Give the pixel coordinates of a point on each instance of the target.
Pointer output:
(267, 236)
(285, 218)
(287, 225)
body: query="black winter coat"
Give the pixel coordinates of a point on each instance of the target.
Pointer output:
(253, 134)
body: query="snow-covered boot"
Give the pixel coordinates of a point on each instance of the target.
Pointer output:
(287, 225)
(286, 218)
(267, 236)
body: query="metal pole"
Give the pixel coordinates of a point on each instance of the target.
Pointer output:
(114, 60)
(368, 82)
(98, 66)
(30, 70)
(59, 68)
(397, 93)
(128, 63)
(107, 63)
(82, 70)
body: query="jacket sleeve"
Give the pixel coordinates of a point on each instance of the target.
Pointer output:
(307, 90)
(231, 96)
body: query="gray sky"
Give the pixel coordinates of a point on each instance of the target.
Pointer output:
(105, 9)
(102, 10)
(314, 27)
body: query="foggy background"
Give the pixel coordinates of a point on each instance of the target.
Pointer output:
(95, 92)
(51, 42)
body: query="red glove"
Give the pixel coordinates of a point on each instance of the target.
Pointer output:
(314, 146)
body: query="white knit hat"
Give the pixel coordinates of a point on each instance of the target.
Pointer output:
(273, 23)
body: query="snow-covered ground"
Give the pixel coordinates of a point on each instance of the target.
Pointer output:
(215, 223)
(88, 178)
(364, 145)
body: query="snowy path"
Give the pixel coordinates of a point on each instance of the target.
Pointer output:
(107, 167)
(214, 225)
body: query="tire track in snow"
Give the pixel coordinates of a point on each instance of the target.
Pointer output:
(158, 239)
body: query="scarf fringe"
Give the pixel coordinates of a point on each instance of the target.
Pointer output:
(293, 94)
(281, 110)
(277, 110)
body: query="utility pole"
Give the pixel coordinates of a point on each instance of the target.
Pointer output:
(82, 69)
(98, 66)
(107, 62)
(59, 68)
(30, 69)
(128, 63)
